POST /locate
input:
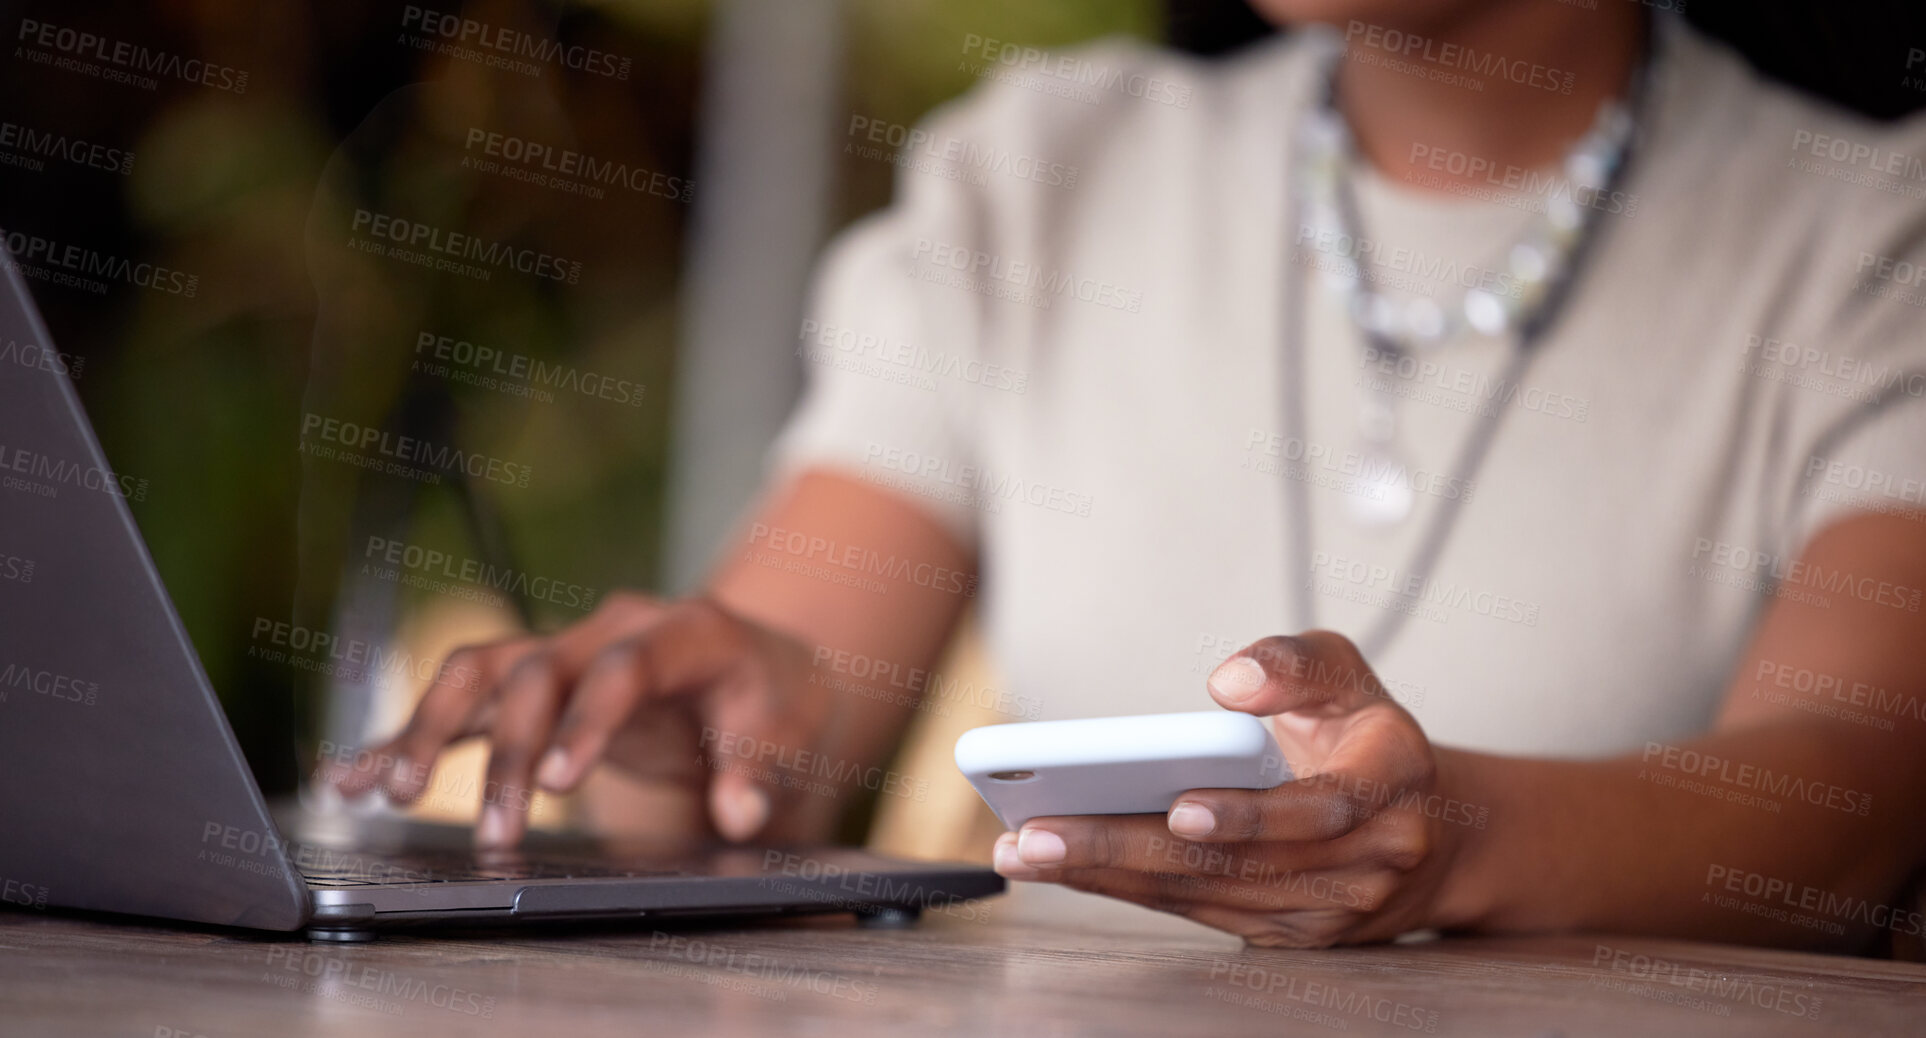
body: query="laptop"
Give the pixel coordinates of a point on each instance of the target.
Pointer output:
(123, 789)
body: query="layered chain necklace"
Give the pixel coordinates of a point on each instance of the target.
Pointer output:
(1541, 264)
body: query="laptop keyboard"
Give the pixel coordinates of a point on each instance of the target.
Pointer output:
(332, 869)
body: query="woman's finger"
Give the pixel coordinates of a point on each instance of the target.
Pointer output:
(687, 646)
(1144, 843)
(1284, 673)
(462, 686)
(695, 646)
(524, 716)
(1380, 758)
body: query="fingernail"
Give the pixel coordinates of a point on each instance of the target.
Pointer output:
(492, 830)
(1008, 864)
(1237, 679)
(1189, 819)
(741, 812)
(1040, 847)
(553, 773)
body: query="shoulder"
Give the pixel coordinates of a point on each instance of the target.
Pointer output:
(1116, 110)
(1823, 196)
(1110, 83)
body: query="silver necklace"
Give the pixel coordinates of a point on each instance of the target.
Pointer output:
(1323, 164)
(1536, 268)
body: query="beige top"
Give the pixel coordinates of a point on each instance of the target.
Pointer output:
(1080, 373)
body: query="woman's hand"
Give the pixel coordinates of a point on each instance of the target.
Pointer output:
(1355, 849)
(666, 691)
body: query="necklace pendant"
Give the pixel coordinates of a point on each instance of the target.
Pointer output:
(1381, 496)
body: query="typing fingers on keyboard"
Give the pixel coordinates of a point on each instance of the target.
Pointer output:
(691, 646)
(464, 698)
(525, 715)
(462, 701)
(457, 696)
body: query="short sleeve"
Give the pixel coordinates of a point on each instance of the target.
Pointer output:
(889, 324)
(917, 310)
(1872, 459)
(1853, 391)
(873, 406)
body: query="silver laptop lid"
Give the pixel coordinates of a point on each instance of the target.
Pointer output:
(124, 789)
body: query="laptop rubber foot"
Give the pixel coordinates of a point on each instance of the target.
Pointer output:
(340, 934)
(887, 918)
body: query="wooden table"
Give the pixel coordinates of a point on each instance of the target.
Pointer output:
(1009, 971)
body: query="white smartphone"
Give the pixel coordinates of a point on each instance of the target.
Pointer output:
(1116, 765)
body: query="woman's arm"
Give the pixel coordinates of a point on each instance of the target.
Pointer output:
(1783, 825)
(870, 581)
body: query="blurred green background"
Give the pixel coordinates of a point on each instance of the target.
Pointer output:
(253, 192)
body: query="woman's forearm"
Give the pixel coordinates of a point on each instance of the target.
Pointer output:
(1791, 832)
